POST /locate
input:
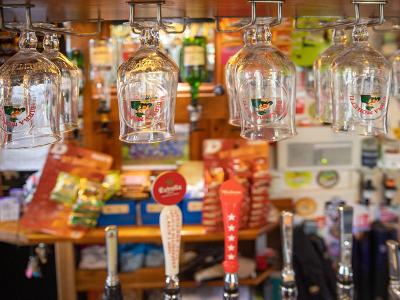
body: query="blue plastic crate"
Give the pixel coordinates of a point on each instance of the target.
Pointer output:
(150, 212)
(118, 212)
(192, 210)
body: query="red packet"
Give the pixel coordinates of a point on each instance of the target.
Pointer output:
(51, 217)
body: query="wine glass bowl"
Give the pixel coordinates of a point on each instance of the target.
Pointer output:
(147, 85)
(69, 88)
(265, 86)
(361, 79)
(29, 97)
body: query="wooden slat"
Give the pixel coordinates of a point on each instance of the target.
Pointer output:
(147, 278)
(58, 11)
(65, 269)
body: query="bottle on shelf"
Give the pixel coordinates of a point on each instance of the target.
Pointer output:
(193, 70)
(394, 271)
(344, 280)
(288, 285)
(112, 289)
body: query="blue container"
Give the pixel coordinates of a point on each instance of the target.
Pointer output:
(150, 212)
(192, 210)
(118, 212)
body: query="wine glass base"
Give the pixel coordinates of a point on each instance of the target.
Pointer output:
(234, 122)
(146, 137)
(364, 129)
(31, 141)
(272, 134)
(64, 128)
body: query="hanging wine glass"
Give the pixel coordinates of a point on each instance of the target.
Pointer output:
(322, 76)
(69, 88)
(230, 68)
(147, 85)
(29, 97)
(360, 85)
(265, 84)
(396, 74)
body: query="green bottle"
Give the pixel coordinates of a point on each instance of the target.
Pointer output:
(193, 70)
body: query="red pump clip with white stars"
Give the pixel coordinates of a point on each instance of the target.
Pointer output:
(231, 196)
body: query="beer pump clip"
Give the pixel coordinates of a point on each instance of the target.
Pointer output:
(169, 189)
(231, 196)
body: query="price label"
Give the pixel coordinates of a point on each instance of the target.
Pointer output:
(169, 188)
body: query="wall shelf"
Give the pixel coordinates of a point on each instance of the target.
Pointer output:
(13, 233)
(147, 278)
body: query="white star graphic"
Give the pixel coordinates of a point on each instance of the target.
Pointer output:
(231, 238)
(231, 227)
(231, 217)
(231, 248)
(231, 257)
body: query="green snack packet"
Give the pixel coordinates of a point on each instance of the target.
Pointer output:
(111, 184)
(66, 189)
(82, 220)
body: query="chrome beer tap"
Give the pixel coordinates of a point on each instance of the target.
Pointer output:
(345, 287)
(288, 285)
(394, 272)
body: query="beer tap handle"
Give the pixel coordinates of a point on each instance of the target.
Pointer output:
(231, 195)
(394, 272)
(170, 227)
(345, 272)
(288, 287)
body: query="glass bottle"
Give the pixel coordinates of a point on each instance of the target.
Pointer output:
(147, 85)
(29, 97)
(266, 89)
(69, 89)
(360, 85)
(230, 69)
(322, 76)
(76, 56)
(194, 71)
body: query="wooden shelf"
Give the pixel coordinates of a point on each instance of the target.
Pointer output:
(190, 233)
(147, 278)
(11, 232)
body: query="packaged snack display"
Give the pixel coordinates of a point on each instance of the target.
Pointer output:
(64, 164)
(247, 162)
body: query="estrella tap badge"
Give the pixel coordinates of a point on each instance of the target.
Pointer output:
(169, 188)
(262, 106)
(16, 115)
(368, 104)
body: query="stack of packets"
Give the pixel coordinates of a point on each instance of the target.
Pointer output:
(85, 195)
(135, 184)
(245, 161)
(73, 186)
